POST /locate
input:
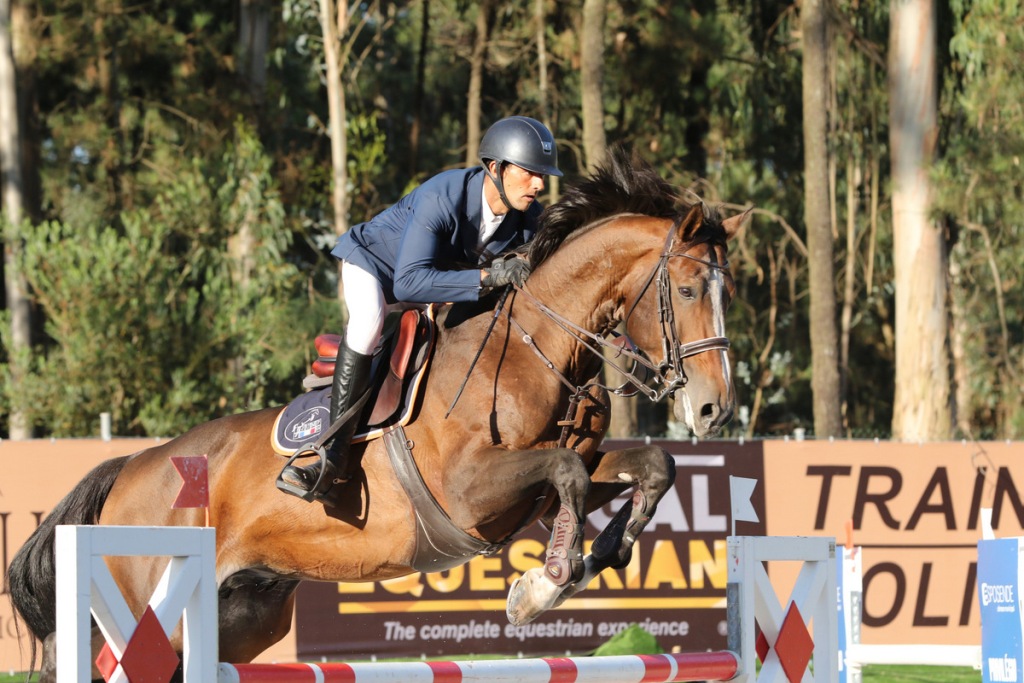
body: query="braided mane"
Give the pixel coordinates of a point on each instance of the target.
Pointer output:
(625, 184)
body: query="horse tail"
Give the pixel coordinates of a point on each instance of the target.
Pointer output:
(31, 577)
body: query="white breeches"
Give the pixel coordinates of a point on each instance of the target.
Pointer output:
(367, 308)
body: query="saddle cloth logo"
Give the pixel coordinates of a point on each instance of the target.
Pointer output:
(308, 425)
(303, 421)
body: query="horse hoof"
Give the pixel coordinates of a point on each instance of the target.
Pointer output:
(531, 595)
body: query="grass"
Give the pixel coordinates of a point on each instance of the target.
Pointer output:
(913, 674)
(872, 674)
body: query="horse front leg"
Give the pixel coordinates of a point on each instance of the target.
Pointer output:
(504, 476)
(652, 471)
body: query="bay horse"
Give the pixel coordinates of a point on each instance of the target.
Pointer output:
(521, 443)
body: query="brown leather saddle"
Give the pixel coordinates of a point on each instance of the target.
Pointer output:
(398, 370)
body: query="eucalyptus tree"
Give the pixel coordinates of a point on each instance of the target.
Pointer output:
(824, 341)
(18, 337)
(922, 403)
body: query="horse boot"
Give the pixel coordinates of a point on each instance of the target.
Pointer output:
(351, 381)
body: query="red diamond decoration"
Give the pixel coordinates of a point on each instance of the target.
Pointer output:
(149, 657)
(761, 647)
(794, 645)
(106, 662)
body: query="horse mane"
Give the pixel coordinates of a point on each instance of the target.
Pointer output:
(626, 183)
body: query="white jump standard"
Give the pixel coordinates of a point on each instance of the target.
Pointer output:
(187, 596)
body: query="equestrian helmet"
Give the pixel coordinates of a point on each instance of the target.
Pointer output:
(522, 141)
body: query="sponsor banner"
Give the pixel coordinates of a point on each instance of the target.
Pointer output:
(674, 586)
(915, 510)
(999, 582)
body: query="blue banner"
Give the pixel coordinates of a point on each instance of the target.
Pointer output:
(999, 581)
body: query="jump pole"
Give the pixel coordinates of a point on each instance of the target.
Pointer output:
(701, 666)
(187, 593)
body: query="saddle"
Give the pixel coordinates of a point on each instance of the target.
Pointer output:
(397, 371)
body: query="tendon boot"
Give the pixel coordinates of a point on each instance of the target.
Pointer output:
(351, 381)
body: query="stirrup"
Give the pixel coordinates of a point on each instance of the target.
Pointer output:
(323, 483)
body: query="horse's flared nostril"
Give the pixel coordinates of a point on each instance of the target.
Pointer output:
(713, 416)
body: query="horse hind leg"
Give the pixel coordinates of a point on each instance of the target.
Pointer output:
(254, 613)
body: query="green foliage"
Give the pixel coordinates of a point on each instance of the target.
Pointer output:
(187, 310)
(980, 192)
(632, 640)
(192, 265)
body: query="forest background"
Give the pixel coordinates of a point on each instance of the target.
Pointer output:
(174, 174)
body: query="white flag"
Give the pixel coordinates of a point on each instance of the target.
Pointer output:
(740, 490)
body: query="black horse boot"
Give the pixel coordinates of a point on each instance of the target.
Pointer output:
(351, 381)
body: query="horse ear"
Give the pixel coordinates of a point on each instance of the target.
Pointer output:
(733, 224)
(691, 223)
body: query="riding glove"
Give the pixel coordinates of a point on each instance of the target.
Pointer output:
(505, 272)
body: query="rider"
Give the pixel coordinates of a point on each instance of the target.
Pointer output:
(411, 253)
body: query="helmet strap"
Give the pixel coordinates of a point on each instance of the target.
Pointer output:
(496, 179)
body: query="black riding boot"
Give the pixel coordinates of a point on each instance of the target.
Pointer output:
(351, 379)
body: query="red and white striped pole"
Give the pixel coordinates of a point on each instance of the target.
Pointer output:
(699, 666)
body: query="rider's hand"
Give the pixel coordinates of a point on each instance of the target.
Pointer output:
(506, 272)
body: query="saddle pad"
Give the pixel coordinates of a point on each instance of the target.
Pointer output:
(302, 421)
(307, 417)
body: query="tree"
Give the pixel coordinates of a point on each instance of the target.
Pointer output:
(12, 180)
(334, 24)
(980, 192)
(595, 151)
(253, 44)
(595, 146)
(921, 409)
(817, 214)
(477, 62)
(543, 91)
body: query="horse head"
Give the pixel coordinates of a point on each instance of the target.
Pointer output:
(659, 272)
(677, 318)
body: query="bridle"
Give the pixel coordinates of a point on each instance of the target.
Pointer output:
(666, 376)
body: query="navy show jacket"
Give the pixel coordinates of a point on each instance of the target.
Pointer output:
(419, 249)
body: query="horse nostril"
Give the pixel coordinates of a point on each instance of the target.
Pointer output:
(709, 413)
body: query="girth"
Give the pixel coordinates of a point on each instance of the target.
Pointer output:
(440, 545)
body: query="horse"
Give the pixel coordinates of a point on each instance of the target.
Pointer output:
(621, 250)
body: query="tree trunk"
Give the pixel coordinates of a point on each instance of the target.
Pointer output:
(476, 82)
(625, 421)
(107, 34)
(959, 331)
(253, 39)
(921, 408)
(417, 96)
(824, 341)
(595, 147)
(849, 282)
(543, 95)
(11, 182)
(334, 24)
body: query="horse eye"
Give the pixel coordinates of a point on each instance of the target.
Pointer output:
(686, 292)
